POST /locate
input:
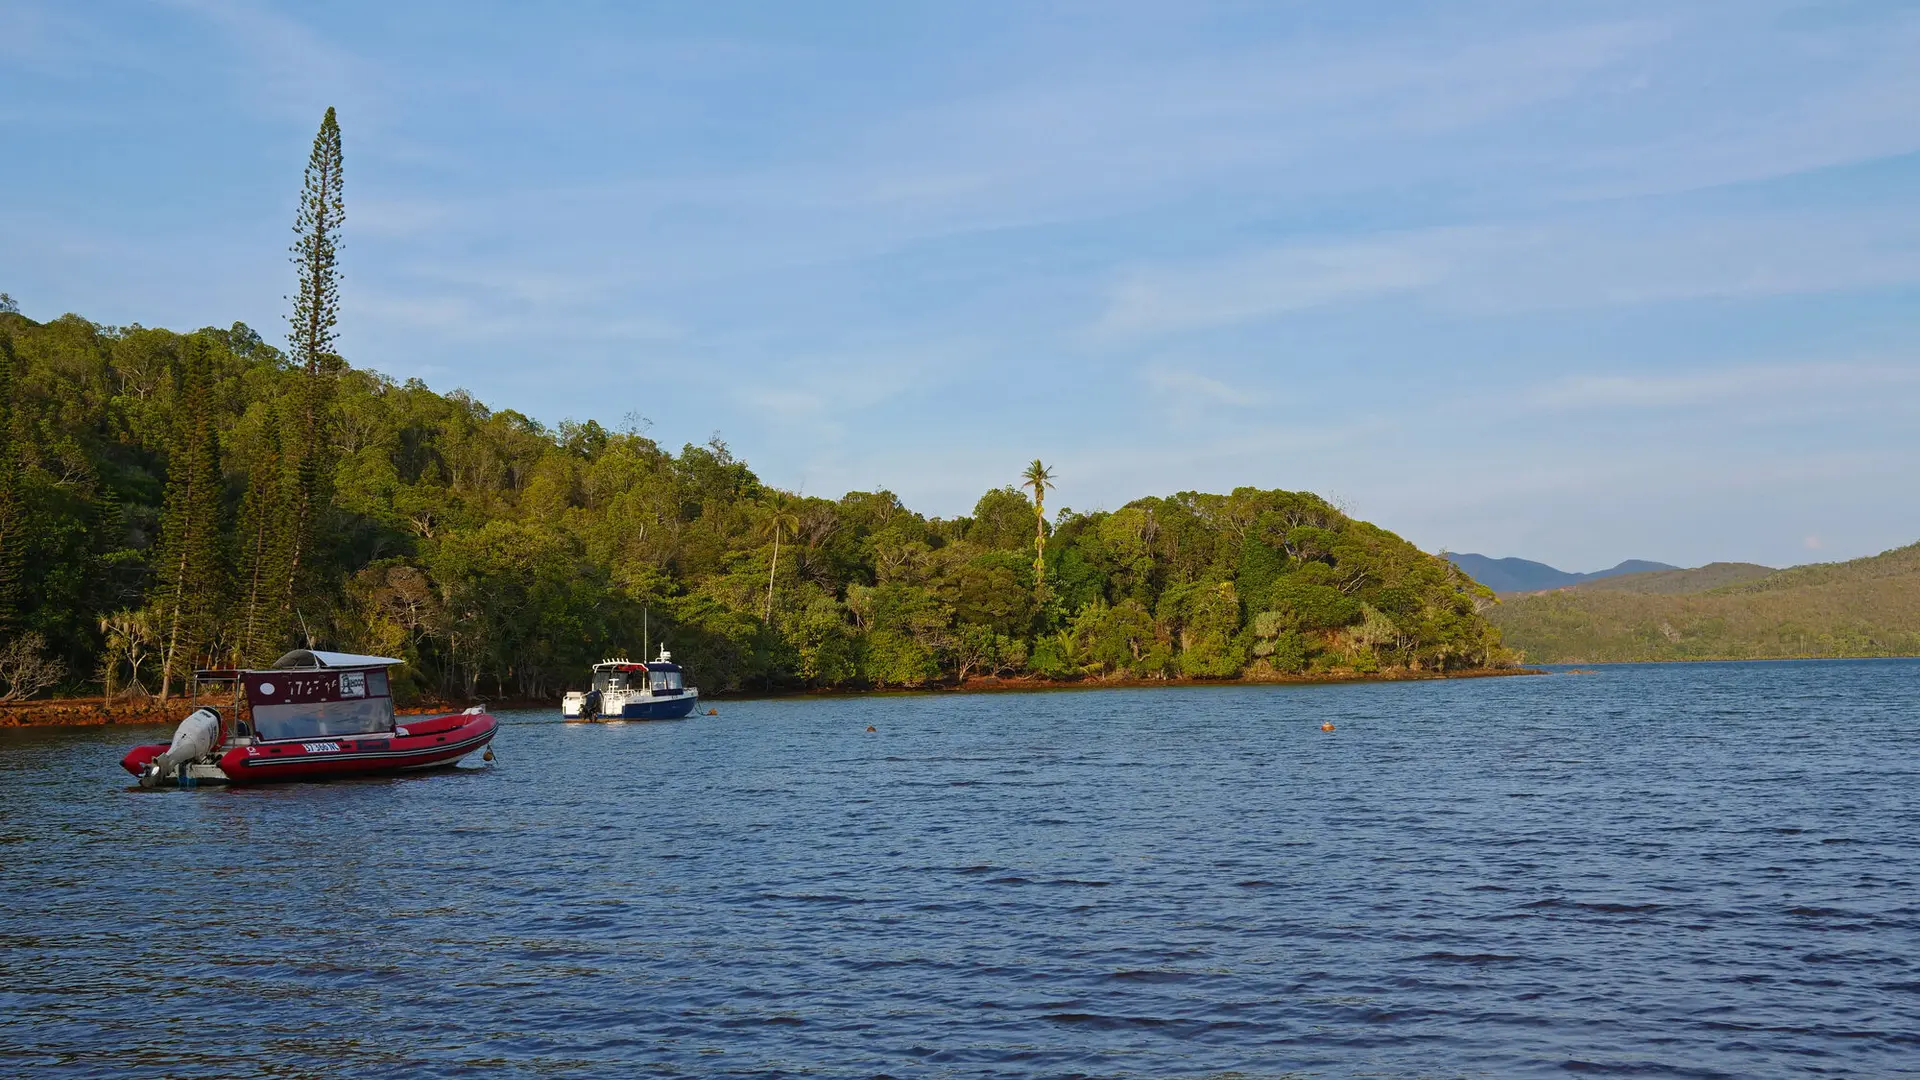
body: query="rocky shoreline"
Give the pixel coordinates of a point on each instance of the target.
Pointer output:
(98, 711)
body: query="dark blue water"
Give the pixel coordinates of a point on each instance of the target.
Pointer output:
(1699, 870)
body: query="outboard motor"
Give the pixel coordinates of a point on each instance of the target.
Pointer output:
(194, 738)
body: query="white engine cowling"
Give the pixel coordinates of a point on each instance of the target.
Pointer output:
(192, 739)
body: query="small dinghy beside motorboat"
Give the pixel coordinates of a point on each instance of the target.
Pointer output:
(624, 690)
(312, 716)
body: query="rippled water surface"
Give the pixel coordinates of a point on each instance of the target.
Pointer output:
(1688, 870)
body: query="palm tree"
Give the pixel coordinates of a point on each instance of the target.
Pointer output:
(780, 518)
(1039, 478)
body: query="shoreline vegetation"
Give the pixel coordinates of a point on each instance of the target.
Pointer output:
(99, 712)
(178, 500)
(149, 524)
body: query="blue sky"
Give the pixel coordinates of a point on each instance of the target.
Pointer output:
(1577, 281)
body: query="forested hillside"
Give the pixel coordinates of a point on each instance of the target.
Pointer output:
(1699, 579)
(151, 519)
(1726, 611)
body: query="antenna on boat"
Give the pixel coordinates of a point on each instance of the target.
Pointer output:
(646, 613)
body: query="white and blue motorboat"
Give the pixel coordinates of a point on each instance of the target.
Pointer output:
(624, 690)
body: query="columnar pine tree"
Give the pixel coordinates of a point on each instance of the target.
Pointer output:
(13, 531)
(191, 578)
(265, 554)
(113, 587)
(316, 314)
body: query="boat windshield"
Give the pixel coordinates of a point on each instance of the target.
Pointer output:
(318, 704)
(666, 680)
(323, 719)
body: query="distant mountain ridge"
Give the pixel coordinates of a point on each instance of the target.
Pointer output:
(1670, 582)
(1525, 575)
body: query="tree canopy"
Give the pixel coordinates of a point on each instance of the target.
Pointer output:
(500, 556)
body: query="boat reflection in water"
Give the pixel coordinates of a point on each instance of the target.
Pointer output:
(311, 716)
(624, 690)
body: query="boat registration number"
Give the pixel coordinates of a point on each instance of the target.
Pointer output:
(319, 747)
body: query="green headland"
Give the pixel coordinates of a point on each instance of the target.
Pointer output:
(168, 504)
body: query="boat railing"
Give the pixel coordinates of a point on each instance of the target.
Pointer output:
(222, 691)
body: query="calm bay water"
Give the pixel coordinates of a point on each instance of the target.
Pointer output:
(1688, 870)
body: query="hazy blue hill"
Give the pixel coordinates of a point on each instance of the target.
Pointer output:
(1512, 575)
(1631, 566)
(1525, 575)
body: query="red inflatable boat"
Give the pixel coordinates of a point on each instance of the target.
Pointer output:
(312, 716)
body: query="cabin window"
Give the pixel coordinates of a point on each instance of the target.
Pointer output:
(666, 680)
(610, 680)
(324, 719)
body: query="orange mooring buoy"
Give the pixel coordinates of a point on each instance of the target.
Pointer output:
(870, 727)
(713, 712)
(1328, 726)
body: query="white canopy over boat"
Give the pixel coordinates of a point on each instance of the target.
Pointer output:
(314, 658)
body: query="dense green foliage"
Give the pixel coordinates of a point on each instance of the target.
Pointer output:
(12, 521)
(190, 572)
(151, 475)
(1726, 611)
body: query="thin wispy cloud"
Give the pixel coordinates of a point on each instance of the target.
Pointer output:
(1288, 279)
(1193, 387)
(1855, 90)
(402, 217)
(1581, 261)
(282, 62)
(1860, 383)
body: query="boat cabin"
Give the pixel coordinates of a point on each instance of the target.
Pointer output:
(307, 694)
(658, 677)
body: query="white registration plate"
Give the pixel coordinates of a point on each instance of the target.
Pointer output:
(319, 747)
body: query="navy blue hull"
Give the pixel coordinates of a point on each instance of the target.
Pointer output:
(659, 708)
